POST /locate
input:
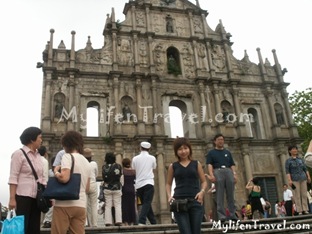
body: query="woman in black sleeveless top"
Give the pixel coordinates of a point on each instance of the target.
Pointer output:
(190, 184)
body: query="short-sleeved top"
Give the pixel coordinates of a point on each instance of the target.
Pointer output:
(186, 180)
(144, 164)
(219, 158)
(287, 195)
(22, 175)
(296, 168)
(81, 166)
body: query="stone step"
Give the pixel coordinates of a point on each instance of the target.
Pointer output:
(297, 224)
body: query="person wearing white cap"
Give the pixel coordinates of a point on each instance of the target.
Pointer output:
(93, 191)
(144, 164)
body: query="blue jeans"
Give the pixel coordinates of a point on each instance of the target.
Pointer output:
(146, 194)
(190, 222)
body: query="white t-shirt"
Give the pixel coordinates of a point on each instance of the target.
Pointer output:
(144, 164)
(81, 166)
(94, 171)
(287, 195)
(45, 163)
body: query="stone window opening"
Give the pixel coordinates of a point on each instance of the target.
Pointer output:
(92, 119)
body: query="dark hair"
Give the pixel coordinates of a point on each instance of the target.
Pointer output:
(126, 162)
(217, 136)
(30, 134)
(291, 147)
(255, 181)
(42, 150)
(178, 142)
(71, 141)
(110, 158)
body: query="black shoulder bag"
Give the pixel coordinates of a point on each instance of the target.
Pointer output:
(43, 203)
(64, 191)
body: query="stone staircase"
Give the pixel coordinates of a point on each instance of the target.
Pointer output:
(297, 224)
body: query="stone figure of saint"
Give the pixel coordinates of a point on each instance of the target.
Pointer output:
(126, 112)
(58, 110)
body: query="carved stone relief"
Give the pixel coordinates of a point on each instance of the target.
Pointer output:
(125, 56)
(187, 58)
(198, 28)
(107, 51)
(180, 27)
(140, 19)
(159, 57)
(143, 52)
(156, 24)
(218, 57)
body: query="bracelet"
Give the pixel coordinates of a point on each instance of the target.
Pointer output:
(203, 190)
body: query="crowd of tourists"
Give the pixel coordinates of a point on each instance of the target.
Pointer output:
(127, 189)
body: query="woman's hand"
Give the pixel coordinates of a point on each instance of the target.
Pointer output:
(200, 196)
(57, 169)
(12, 203)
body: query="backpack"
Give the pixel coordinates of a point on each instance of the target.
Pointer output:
(111, 174)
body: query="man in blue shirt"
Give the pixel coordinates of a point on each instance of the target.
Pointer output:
(221, 169)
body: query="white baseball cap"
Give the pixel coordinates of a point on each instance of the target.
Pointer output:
(145, 145)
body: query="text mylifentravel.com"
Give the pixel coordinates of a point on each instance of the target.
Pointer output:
(256, 225)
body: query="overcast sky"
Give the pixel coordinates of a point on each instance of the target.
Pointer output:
(283, 25)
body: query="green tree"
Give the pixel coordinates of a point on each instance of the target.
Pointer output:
(301, 107)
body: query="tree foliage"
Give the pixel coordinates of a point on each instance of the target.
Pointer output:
(301, 107)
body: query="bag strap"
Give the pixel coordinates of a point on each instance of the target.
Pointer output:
(32, 167)
(73, 162)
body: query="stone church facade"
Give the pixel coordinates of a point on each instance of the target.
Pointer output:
(164, 55)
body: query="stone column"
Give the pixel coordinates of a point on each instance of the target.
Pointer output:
(151, 58)
(136, 54)
(148, 20)
(269, 95)
(216, 92)
(117, 105)
(247, 165)
(71, 102)
(287, 107)
(157, 122)
(46, 120)
(141, 124)
(283, 157)
(163, 200)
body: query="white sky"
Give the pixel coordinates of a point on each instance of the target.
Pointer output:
(283, 25)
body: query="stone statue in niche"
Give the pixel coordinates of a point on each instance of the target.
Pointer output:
(126, 112)
(173, 67)
(58, 109)
(280, 117)
(169, 24)
(201, 55)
